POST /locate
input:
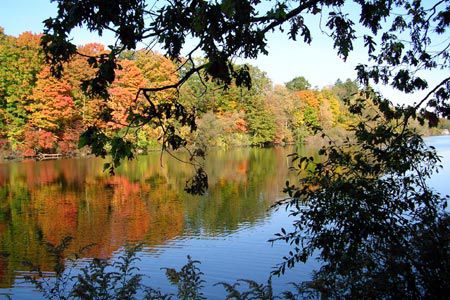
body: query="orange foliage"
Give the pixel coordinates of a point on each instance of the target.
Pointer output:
(51, 105)
(53, 117)
(241, 125)
(92, 49)
(123, 92)
(29, 40)
(158, 71)
(309, 97)
(77, 69)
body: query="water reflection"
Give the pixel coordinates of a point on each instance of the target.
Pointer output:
(46, 201)
(227, 229)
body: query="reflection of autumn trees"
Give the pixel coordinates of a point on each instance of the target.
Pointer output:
(46, 201)
(4, 279)
(20, 238)
(36, 173)
(243, 183)
(93, 208)
(111, 212)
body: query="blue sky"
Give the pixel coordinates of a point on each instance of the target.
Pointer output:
(317, 62)
(286, 58)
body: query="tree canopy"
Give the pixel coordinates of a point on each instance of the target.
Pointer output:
(298, 84)
(398, 35)
(56, 111)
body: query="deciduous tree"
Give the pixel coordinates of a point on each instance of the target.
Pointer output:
(298, 84)
(21, 59)
(52, 110)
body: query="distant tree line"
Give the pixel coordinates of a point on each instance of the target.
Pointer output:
(42, 114)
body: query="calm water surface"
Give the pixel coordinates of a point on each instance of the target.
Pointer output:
(227, 229)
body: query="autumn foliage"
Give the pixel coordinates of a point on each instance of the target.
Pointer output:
(43, 114)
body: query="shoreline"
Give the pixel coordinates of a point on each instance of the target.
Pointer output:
(58, 156)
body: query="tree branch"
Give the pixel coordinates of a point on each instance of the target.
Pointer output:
(432, 92)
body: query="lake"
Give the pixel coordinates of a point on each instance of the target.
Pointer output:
(227, 229)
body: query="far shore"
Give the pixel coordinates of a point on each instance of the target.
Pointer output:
(55, 156)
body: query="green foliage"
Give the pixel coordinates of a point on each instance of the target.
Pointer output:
(57, 289)
(298, 84)
(20, 62)
(104, 279)
(366, 207)
(366, 211)
(238, 111)
(145, 142)
(198, 184)
(345, 91)
(96, 282)
(221, 130)
(255, 290)
(397, 36)
(188, 280)
(100, 143)
(96, 139)
(310, 117)
(244, 27)
(226, 29)
(261, 127)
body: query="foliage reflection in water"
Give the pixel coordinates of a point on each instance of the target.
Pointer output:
(144, 202)
(227, 229)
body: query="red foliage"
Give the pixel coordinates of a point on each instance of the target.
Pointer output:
(69, 139)
(38, 141)
(3, 143)
(54, 120)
